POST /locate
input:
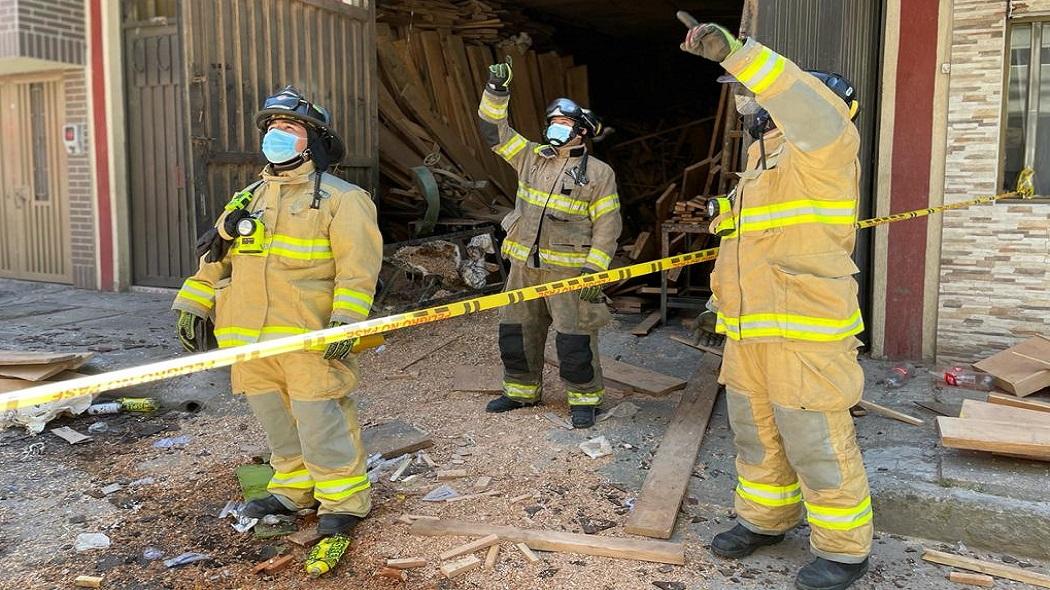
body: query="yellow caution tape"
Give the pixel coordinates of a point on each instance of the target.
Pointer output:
(224, 357)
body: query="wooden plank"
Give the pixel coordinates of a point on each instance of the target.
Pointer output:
(620, 548)
(472, 547)
(665, 485)
(458, 568)
(1012, 400)
(698, 346)
(41, 372)
(1032, 442)
(888, 413)
(527, 552)
(406, 563)
(88, 582)
(631, 377)
(578, 86)
(665, 202)
(305, 537)
(393, 439)
(1019, 375)
(490, 557)
(978, 410)
(274, 564)
(987, 567)
(971, 579)
(488, 379)
(19, 357)
(645, 326)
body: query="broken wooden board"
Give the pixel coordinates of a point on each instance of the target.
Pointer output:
(1015, 372)
(1032, 442)
(273, 565)
(1013, 400)
(971, 579)
(645, 326)
(698, 346)
(457, 568)
(631, 377)
(620, 548)
(978, 410)
(305, 537)
(394, 439)
(665, 486)
(490, 557)
(406, 563)
(472, 547)
(529, 555)
(987, 567)
(487, 379)
(889, 413)
(42, 372)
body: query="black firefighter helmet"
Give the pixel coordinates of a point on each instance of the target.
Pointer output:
(325, 145)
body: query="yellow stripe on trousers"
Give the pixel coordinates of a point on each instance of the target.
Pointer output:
(185, 365)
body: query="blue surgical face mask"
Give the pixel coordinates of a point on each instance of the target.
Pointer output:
(559, 134)
(279, 146)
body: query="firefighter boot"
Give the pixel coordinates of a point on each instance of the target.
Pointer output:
(505, 404)
(271, 504)
(822, 574)
(583, 416)
(336, 524)
(740, 541)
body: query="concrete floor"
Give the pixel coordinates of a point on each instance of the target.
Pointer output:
(962, 500)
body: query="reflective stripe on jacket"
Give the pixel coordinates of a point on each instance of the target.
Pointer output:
(317, 265)
(555, 222)
(784, 270)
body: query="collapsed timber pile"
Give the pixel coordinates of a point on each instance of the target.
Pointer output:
(433, 60)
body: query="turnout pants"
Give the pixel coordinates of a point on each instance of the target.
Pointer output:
(796, 447)
(311, 425)
(523, 336)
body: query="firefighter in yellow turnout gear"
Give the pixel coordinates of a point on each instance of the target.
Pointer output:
(297, 251)
(787, 302)
(565, 223)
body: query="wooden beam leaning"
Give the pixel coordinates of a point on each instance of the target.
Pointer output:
(665, 486)
(620, 548)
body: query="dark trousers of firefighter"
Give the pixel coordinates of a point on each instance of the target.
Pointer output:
(796, 447)
(303, 403)
(523, 335)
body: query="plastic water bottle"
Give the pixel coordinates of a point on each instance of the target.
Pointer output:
(968, 378)
(897, 376)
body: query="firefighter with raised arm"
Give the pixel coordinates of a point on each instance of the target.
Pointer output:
(565, 224)
(786, 300)
(297, 251)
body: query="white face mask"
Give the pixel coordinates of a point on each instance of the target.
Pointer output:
(747, 105)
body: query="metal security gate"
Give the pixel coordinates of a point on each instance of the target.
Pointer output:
(162, 214)
(34, 201)
(843, 36)
(241, 51)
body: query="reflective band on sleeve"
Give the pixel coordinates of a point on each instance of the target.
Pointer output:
(604, 205)
(351, 300)
(557, 202)
(198, 292)
(786, 325)
(299, 249)
(341, 489)
(296, 480)
(761, 73)
(516, 251)
(797, 213)
(521, 391)
(511, 147)
(493, 108)
(590, 398)
(769, 495)
(598, 259)
(840, 519)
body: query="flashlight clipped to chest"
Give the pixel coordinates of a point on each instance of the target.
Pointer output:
(251, 236)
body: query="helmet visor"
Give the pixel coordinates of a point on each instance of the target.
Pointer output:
(294, 103)
(563, 107)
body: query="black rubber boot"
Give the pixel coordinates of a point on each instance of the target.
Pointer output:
(740, 541)
(505, 404)
(583, 416)
(336, 524)
(823, 574)
(264, 506)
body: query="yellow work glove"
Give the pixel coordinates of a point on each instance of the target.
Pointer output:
(192, 330)
(500, 76)
(341, 349)
(591, 294)
(711, 41)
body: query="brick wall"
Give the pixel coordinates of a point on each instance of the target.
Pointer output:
(995, 284)
(8, 29)
(44, 29)
(81, 194)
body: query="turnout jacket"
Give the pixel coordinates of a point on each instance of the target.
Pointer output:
(786, 272)
(557, 222)
(317, 265)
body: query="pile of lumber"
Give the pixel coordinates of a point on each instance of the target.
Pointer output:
(692, 211)
(1004, 425)
(433, 59)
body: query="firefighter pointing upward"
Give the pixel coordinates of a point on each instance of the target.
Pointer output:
(565, 223)
(787, 302)
(298, 251)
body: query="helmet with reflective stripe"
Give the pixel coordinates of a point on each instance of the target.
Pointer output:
(289, 103)
(583, 118)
